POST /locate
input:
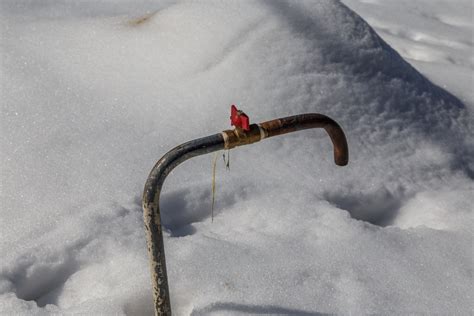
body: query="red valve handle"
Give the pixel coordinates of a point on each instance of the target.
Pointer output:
(239, 119)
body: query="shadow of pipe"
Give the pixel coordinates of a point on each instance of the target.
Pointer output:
(235, 308)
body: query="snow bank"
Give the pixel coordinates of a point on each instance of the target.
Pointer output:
(92, 98)
(434, 35)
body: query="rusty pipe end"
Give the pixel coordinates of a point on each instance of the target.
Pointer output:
(341, 149)
(311, 120)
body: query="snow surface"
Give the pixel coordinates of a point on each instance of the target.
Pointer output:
(93, 93)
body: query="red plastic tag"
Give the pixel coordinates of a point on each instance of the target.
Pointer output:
(239, 118)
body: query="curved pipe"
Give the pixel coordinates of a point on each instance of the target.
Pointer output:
(226, 140)
(311, 120)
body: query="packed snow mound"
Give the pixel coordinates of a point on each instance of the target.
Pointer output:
(91, 102)
(435, 36)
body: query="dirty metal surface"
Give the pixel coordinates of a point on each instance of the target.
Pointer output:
(311, 120)
(226, 140)
(151, 212)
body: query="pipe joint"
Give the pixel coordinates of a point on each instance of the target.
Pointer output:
(238, 137)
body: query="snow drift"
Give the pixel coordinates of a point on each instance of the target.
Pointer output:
(91, 101)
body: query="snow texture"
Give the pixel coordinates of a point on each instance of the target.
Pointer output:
(93, 93)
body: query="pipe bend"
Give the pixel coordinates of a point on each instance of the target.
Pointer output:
(173, 158)
(311, 120)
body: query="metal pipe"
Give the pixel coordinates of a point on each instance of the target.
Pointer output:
(226, 140)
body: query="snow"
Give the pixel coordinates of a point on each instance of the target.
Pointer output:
(433, 35)
(93, 93)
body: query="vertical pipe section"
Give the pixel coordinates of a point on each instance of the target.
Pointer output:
(226, 140)
(151, 212)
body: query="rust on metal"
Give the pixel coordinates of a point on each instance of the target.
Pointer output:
(226, 140)
(312, 120)
(238, 137)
